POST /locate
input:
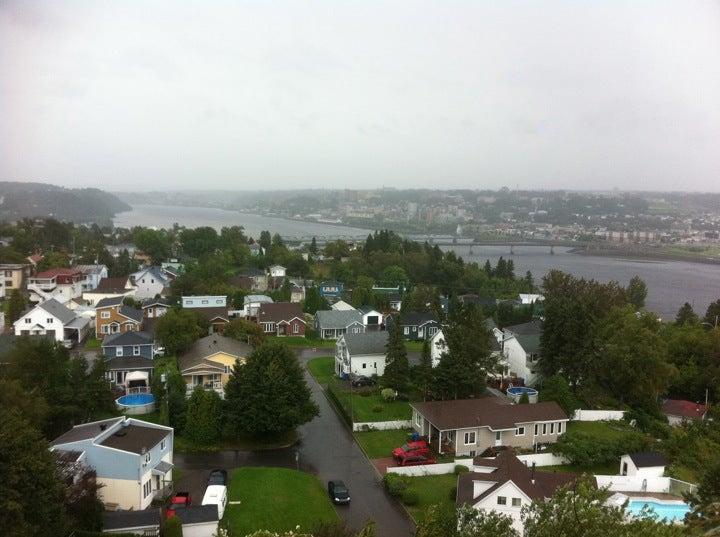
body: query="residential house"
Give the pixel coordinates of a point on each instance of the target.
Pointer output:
(521, 350)
(116, 250)
(251, 305)
(51, 318)
(212, 308)
(484, 302)
(470, 426)
(361, 354)
(150, 282)
(114, 317)
(145, 522)
(173, 266)
(282, 319)
(209, 362)
(62, 284)
(372, 319)
(331, 290)
(199, 520)
(504, 485)
(128, 352)
(297, 293)
(644, 464)
(13, 276)
(679, 411)
(341, 305)
(438, 346)
(253, 279)
(416, 326)
(35, 259)
(529, 298)
(93, 274)
(393, 295)
(277, 271)
(133, 459)
(152, 308)
(109, 288)
(255, 249)
(331, 324)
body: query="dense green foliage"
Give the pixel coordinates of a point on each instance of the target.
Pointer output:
(203, 417)
(397, 368)
(178, 329)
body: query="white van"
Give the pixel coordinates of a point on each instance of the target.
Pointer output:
(216, 495)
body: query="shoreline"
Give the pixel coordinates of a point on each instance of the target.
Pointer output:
(644, 256)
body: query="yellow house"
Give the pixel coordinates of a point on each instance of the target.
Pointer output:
(210, 360)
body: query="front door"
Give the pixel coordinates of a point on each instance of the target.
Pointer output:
(498, 438)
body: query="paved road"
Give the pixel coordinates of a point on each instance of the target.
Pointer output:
(326, 449)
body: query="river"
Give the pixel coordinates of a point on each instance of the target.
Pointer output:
(670, 283)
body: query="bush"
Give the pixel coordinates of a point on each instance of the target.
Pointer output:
(587, 450)
(377, 409)
(173, 527)
(395, 484)
(410, 497)
(388, 394)
(402, 397)
(461, 469)
(452, 493)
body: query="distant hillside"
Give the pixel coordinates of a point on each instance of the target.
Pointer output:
(79, 205)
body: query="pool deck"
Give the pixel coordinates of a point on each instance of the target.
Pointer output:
(656, 495)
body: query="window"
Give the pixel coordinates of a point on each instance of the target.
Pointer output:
(406, 330)
(205, 301)
(162, 445)
(536, 429)
(418, 419)
(502, 500)
(552, 428)
(118, 351)
(432, 330)
(544, 429)
(28, 320)
(470, 438)
(296, 328)
(364, 365)
(104, 314)
(219, 302)
(227, 369)
(152, 281)
(104, 329)
(147, 488)
(136, 350)
(49, 320)
(142, 281)
(8, 273)
(560, 428)
(520, 431)
(516, 502)
(147, 457)
(498, 436)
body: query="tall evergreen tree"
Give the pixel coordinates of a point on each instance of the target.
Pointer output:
(637, 292)
(203, 418)
(686, 315)
(425, 371)
(313, 249)
(712, 315)
(397, 367)
(15, 307)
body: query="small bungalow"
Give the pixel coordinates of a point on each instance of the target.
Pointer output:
(416, 326)
(644, 464)
(361, 354)
(210, 360)
(372, 318)
(331, 324)
(282, 319)
(277, 271)
(679, 411)
(150, 282)
(126, 344)
(155, 307)
(213, 308)
(109, 288)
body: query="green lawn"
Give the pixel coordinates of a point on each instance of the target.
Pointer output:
(432, 490)
(275, 499)
(92, 343)
(295, 341)
(414, 345)
(381, 443)
(322, 368)
(601, 429)
(370, 407)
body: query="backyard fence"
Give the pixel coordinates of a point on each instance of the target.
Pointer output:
(638, 483)
(382, 425)
(543, 459)
(430, 469)
(598, 415)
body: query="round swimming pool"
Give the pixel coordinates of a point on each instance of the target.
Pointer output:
(516, 392)
(136, 403)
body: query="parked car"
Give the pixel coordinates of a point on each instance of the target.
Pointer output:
(338, 492)
(359, 382)
(216, 495)
(415, 460)
(217, 477)
(181, 500)
(418, 447)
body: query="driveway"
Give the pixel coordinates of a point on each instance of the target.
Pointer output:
(328, 450)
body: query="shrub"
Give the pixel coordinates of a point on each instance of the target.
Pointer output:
(410, 497)
(586, 450)
(388, 394)
(452, 493)
(524, 399)
(173, 527)
(402, 397)
(461, 469)
(377, 408)
(395, 484)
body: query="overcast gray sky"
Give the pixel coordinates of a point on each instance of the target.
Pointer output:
(172, 94)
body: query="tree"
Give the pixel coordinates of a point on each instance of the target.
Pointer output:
(637, 292)
(178, 329)
(686, 315)
(314, 301)
(466, 521)
(556, 388)
(265, 240)
(54, 259)
(203, 417)
(81, 497)
(245, 331)
(200, 241)
(337, 249)
(394, 275)
(267, 395)
(15, 307)
(581, 512)
(464, 366)
(176, 389)
(425, 371)
(30, 493)
(313, 249)
(705, 502)
(155, 243)
(397, 367)
(712, 315)
(422, 298)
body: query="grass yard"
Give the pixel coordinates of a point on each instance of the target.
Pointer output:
(414, 345)
(432, 490)
(322, 368)
(379, 444)
(275, 499)
(92, 343)
(600, 429)
(295, 341)
(371, 407)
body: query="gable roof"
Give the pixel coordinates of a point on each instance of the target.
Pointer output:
(683, 408)
(211, 314)
(528, 335)
(212, 344)
(417, 318)
(161, 301)
(534, 484)
(488, 411)
(131, 313)
(648, 459)
(110, 301)
(53, 307)
(279, 311)
(155, 272)
(247, 299)
(127, 338)
(91, 269)
(366, 343)
(111, 285)
(337, 319)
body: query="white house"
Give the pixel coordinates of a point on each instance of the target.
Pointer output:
(93, 274)
(50, 318)
(361, 354)
(62, 284)
(204, 301)
(133, 459)
(371, 318)
(150, 282)
(109, 288)
(341, 305)
(521, 350)
(529, 298)
(437, 347)
(643, 464)
(251, 305)
(277, 271)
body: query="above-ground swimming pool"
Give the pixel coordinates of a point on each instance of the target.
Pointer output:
(671, 511)
(136, 403)
(516, 392)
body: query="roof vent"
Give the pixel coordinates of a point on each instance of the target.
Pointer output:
(103, 426)
(121, 433)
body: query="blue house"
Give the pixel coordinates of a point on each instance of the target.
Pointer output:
(127, 352)
(331, 290)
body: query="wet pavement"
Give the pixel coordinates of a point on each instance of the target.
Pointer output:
(326, 449)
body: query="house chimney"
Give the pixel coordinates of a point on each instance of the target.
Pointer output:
(532, 474)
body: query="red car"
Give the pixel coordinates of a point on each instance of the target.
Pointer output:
(419, 447)
(416, 460)
(181, 500)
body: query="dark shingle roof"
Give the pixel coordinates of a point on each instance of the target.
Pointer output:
(647, 459)
(109, 301)
(279, 311)
(196, 514)
(156, 302)
(415, 318)
(134, 438)
(490, 412)
(84, 431)
(128, 338)
(210, 345)
(112, 285)
(131, 313)
(528, 335)
(117, 520)
(211, 314)
(367, 343)
(129, 362)
(53, 307)
(337, 319)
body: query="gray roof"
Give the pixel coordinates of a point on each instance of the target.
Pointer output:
(418, 318)
(135, 438)
(128, 338)
(154, 271)
(648, 459)
(118, 520)
(109, 301)
(53, 307)
(528, 335)
(90, 269)
(85, 431)
(131, 313)
(78, 323)
(156, 302)
(367, 343)
(263, 299)
(210, 345)
(336, 319)
(196, 514)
